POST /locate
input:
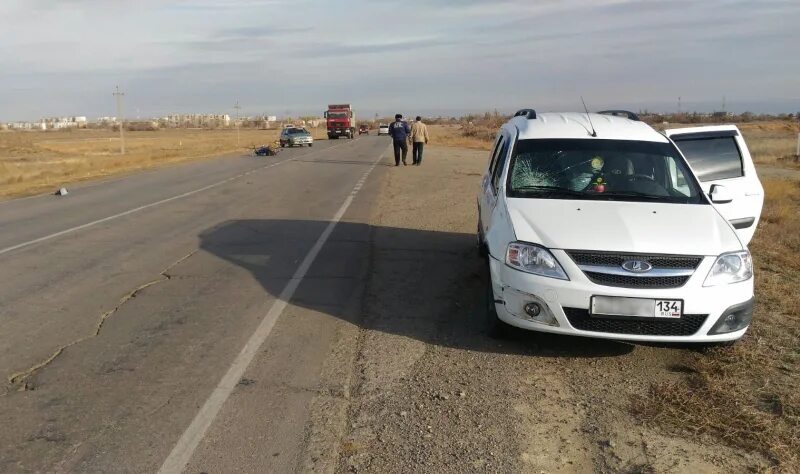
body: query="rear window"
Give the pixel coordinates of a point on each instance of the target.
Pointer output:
(712, 158)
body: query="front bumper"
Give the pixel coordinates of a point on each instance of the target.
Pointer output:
(569, 303)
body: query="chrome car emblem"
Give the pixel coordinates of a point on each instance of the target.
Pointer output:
(637, 266)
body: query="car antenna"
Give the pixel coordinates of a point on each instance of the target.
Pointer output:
(594, 134)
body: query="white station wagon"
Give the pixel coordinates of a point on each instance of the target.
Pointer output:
(598, 225)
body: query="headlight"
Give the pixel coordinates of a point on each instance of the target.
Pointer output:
(534, 259)
(730, 268)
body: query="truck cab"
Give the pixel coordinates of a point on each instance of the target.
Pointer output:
(340, 121)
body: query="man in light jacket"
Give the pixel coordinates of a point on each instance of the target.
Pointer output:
(419, 137)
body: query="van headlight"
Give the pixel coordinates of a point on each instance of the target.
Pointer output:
(534, 259)
(730, 267)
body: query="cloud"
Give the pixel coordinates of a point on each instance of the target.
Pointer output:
(63, 56)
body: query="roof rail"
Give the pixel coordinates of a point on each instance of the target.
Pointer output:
(621, 113)
(527, 113)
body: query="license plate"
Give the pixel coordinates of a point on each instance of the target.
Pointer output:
(668, 309)
(635, 307)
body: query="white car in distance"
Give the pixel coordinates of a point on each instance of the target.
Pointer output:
(597, 225)
(383, 129)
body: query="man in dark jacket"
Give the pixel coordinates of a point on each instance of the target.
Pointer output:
(399, 131)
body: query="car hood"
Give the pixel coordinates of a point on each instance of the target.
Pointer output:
(618, 226)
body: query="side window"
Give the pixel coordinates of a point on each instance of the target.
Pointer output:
(493, 159)
(500, 162)
(677, 181)
(712, 158)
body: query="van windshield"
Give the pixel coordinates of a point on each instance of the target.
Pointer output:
(586, 169)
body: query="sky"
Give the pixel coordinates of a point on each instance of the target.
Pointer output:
(429, 57)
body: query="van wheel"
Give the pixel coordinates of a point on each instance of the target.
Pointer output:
(482, 251)
(495, 327)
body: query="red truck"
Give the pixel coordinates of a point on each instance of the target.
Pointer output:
(341, 121)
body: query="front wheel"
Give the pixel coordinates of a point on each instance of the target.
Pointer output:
(480, 241)
(496, 328)
(310, 144)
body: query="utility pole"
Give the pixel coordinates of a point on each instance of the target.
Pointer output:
(238, 108)
(679, 105)
(118, 94)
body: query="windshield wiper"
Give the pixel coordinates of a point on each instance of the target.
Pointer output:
(548, 190)
(635, 194)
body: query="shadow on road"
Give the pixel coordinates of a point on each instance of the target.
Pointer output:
(421, 284)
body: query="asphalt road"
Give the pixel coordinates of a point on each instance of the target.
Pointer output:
(184, 316)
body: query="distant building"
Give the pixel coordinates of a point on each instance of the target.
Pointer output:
(26, 126)
(197, 120)
(58, 123)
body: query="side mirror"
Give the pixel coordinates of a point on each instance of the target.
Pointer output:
(720, 194)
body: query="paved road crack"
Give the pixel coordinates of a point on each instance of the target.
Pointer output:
(20, 379)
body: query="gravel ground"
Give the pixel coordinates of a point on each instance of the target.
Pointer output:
(428, 391)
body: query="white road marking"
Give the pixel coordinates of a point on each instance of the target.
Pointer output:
(152, 204)
(188, 442)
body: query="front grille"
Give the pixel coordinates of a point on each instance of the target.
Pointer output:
(616, 259)
(624, 281)
(605, 268)
(687, 325)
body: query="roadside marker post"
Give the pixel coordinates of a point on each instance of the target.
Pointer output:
(797, 151)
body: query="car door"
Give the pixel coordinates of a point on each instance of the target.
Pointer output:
(718, 156)
(488, 195)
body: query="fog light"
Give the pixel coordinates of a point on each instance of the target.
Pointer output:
(533, 309)
(528, 307)
(735, 318)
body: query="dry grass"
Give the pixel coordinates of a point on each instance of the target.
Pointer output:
(749, 395)
(33, 162)
(462, 136)
(771, 142)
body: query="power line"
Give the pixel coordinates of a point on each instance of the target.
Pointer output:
(238, 108)
(119, 95)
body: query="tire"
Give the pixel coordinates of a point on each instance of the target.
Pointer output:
(283, 145)
(496, 328)
(310, 145)
(480, 241)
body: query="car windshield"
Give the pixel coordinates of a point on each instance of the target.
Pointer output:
(294, 131)
(601, 170)
(337, 115)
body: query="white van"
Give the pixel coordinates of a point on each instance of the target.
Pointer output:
(598, 225)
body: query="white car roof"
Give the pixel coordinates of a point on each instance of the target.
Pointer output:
(576, 125)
